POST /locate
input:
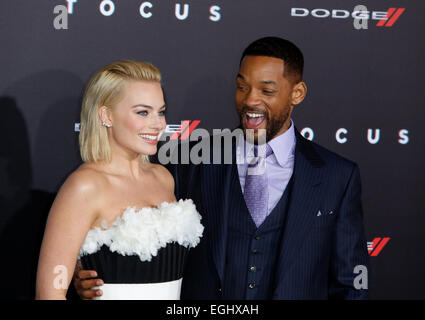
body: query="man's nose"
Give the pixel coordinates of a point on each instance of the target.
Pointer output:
(251, 98)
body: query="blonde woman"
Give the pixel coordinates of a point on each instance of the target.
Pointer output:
(117, 212)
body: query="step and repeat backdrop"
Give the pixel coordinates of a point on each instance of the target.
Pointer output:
(364, 69)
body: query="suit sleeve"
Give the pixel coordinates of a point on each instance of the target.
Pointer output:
(173, 167)
(350, 260)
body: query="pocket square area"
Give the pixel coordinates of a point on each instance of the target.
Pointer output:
(324, 213)
(325, 219)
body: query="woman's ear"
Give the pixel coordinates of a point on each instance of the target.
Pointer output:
(105, 116)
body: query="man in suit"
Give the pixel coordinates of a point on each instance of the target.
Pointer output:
(292, 230)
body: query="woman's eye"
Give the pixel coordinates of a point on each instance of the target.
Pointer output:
(162, 113)
(142, 113)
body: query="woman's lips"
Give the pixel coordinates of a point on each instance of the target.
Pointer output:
(151, 138)
(254, 120)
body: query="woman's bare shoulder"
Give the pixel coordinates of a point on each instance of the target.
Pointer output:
(79, 199)
(84, 184)
(86, 178)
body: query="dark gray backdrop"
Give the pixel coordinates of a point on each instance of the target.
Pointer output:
(357, 79)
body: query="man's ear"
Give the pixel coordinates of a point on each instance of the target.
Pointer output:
(299, 91)
(105, 115)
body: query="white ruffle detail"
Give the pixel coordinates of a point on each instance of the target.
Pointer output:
(143, 232)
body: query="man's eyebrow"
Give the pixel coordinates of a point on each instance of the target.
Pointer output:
(239, 76)
(268, 82)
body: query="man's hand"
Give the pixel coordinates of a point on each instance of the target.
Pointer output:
(84, 281)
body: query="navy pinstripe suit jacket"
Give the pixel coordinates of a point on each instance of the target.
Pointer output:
(317, 254)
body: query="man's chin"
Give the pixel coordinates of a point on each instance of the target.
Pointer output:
(256, 136)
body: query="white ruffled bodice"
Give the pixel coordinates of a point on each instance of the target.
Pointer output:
(143, 232)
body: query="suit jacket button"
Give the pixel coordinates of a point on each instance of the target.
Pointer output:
(251, 285)
(252, 268)
(257, 237)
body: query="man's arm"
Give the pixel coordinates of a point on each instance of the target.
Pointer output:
(350, 250)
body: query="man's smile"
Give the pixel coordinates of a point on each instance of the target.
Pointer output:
(254, 120)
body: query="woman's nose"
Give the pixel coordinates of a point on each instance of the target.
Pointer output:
(158, 122)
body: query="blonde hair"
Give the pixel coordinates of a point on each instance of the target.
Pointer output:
(104, 89)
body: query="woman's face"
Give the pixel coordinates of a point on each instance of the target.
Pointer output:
(138, 119)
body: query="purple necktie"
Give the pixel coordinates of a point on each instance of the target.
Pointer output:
(256, 192)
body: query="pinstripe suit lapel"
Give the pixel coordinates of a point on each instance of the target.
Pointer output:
(306, 193)
(219, 182)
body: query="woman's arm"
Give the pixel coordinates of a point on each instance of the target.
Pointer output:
(71, 216)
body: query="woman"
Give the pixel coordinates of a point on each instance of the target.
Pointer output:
(117, 212)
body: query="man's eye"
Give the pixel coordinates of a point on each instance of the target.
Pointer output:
(269, 92)
(239, 87)
(143, 113)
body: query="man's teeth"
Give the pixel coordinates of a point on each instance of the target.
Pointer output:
(148, 136)
(254, 115)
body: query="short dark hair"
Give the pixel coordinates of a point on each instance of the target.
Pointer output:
(279, 48)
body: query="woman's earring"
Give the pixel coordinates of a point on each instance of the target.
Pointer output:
(106, 124)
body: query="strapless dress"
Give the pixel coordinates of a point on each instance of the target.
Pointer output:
(142, 255)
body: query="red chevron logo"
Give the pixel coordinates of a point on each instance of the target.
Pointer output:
(184, 130)
(392, 16)
(375, 247)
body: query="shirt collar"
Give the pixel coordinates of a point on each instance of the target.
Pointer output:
(283, 145)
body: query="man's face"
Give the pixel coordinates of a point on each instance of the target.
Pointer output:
(263, 96)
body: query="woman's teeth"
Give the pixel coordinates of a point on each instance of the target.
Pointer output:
(146, 136)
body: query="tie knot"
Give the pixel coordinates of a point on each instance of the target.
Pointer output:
(262, 151)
